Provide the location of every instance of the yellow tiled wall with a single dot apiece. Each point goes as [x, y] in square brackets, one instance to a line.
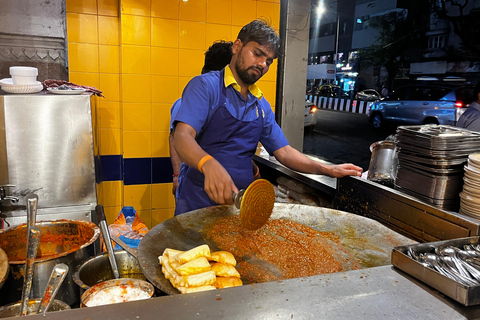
[141, 54]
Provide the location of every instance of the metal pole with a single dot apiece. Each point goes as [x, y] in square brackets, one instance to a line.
[335, 59]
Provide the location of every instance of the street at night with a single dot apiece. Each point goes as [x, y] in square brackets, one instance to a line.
[341, 137]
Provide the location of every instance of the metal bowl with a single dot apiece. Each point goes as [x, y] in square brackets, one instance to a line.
[13, 309]
[61, 241]
[125, 284]
[98, 269]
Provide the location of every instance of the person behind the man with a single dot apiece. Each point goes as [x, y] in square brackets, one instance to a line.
[470, 119]
[217, 57]
[223, 116]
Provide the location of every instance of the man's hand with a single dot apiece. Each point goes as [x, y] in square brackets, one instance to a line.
[345, 169]
[218, 183]
[175, 185]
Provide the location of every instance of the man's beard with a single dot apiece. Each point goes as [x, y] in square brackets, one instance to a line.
[245, 76]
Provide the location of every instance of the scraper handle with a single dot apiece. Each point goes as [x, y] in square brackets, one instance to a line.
[237, 198]
[106, 238]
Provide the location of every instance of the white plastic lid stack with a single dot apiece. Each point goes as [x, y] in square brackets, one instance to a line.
[24, 75]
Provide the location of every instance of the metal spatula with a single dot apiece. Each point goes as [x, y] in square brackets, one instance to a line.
[106, 238]
[255, 204]
[57, 276]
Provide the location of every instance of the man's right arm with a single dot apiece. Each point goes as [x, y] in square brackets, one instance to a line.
[218, 183]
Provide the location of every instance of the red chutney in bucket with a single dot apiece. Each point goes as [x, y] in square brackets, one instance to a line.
[58, 238]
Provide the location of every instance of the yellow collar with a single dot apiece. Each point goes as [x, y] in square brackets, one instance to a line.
[229, 79]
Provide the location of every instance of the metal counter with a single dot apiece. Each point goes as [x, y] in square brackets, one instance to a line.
[403, 213]
[321, 183]
[376, 293]
[400, 212]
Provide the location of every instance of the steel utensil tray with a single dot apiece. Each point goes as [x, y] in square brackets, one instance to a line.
[465, 295]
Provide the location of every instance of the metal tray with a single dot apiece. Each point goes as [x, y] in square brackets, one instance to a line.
[438, 132]
[437, 187]
[435, 170]
[468, 296]
[442, 162]
[462, 151]
[438, 140]
[447, 204]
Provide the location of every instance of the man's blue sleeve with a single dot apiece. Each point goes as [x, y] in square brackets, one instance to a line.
[174, 111]
[195, 104]
[272, 137]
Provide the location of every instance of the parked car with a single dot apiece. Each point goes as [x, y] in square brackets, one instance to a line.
[433, 103]
[368, 95]
[330, 90]
[310, 113]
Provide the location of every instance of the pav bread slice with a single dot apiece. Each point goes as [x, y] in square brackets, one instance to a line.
[227, 282]
[198, 265]
[200, 279]
[176, 279]
[224, 257]
[225, 270]
[171, 253]
[192, 254]
[195, 289]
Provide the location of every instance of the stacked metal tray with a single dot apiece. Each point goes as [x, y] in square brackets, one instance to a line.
[431, 160]
[467, 295]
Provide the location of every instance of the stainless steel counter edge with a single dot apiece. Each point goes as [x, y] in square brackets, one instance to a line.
[375, 293]
[320, 182]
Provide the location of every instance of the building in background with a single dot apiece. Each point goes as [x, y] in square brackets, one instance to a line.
[442, 44]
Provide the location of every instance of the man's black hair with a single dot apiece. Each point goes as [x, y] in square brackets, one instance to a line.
[217, 56]
[259, 31]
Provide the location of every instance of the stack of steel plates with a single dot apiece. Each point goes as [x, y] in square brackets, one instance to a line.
[470, 196]
[431, 160]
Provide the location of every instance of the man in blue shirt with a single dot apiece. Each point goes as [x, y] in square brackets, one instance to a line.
[223, 116]
[470, 119]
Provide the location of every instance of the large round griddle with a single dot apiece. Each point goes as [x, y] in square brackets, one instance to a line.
[366, 239]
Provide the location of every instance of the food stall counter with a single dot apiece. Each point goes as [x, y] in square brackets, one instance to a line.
[376, 293]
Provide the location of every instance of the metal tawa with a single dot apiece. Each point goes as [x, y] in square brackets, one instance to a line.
[255, 204]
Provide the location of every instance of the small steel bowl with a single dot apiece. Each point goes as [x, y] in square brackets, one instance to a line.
[13, 309]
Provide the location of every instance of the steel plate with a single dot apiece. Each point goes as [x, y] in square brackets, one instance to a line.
[366, 239]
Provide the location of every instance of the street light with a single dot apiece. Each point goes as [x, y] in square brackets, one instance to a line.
[320, 9]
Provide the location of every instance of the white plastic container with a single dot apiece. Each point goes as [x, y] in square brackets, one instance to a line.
[24, 75]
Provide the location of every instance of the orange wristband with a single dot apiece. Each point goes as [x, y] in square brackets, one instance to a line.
[257, 174]
[202, 162]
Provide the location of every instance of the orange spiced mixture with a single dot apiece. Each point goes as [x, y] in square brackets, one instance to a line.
[281, 249]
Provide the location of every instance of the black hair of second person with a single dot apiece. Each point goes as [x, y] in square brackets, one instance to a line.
[476, 91]
[217, 56]
[259, 31]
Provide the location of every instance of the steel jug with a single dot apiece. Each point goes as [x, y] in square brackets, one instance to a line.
[383, 162]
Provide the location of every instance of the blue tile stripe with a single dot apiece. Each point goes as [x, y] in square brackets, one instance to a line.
[137, 171]
[134, 170]
[111, 168]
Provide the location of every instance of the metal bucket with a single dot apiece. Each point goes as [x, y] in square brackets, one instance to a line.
[98, 269]
[125, 284]
[13, 309]
[62, 241]
[383, 163]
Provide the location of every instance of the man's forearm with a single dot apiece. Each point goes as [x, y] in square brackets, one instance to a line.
[174, 158]
[295, 160]
[188, 149]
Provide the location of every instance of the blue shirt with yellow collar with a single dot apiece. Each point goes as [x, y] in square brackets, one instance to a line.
[201, 97]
